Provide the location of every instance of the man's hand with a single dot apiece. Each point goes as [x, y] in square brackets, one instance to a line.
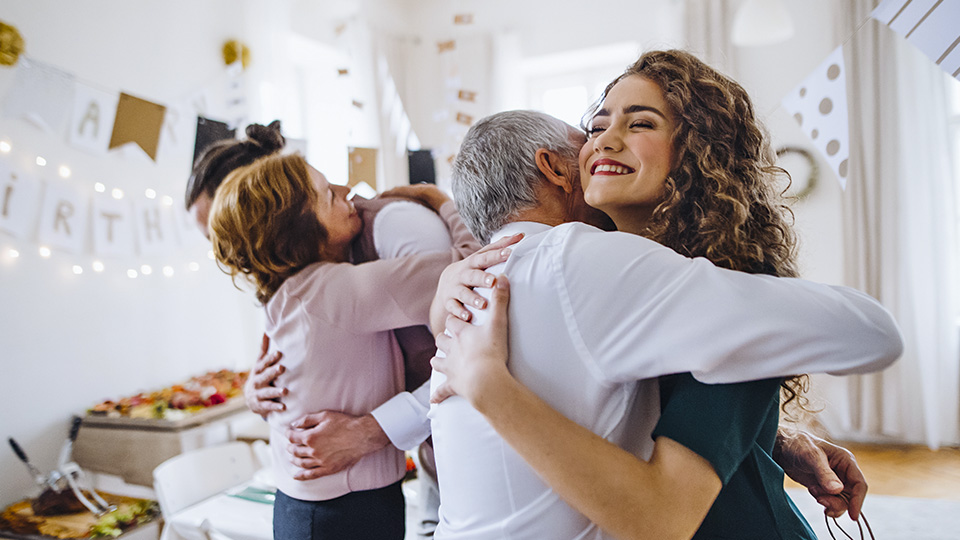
[261, 396]
[328, 442]
[826, 470]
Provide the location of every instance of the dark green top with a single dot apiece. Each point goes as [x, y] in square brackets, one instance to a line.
[734, 427]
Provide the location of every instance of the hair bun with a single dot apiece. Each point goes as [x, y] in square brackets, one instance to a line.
[268, 137]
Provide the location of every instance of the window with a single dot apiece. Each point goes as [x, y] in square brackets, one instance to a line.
[566, 84]
[953, 89]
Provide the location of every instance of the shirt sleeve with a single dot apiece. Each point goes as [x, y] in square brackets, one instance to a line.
[404, 417]
[377, 295]
[406, 228]
[637, 310]
[721, 422]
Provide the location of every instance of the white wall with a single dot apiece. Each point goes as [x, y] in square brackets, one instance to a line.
[68, 341]
[768, 73]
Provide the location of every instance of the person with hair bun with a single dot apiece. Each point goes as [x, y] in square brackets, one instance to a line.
[278, 224]
[418, 220]
[223, 157]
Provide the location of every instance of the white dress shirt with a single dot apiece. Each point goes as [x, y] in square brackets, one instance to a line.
[406, 228]
[593, 314]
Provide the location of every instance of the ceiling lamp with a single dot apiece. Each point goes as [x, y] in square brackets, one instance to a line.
[761, 22]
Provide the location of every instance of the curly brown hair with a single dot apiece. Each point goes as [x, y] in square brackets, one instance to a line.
[263, 222]
[721, 199]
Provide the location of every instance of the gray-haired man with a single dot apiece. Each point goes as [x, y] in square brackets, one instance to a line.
[595, 315]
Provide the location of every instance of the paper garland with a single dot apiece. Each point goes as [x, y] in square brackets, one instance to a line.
[932, 25]
[40, 93]
[819, 105]
[138, 121]
[98, 121]
[208, 132]
[91, 123]
[65, 218]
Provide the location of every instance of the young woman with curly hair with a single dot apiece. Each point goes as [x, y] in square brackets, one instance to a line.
[280, 225]
[720, 199]
[674, 153]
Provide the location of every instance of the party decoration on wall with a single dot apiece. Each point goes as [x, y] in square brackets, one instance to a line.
[19, 201]
[464, 119]
[931, 25]
[819, 105]
[467, 95]
[154, 227]
[802, 167]
[363, 166]
[444, 46]
[113, 227]
[40, 93]
[233, 51]
[208, 132]
[343, 72]
[91, 123]
[63, 218]
[357, 104]
[138, 121]
[105, 222]
[463, 18]
[11, 44]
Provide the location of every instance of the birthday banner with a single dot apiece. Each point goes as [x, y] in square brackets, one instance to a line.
[63, 216]
[98, 121]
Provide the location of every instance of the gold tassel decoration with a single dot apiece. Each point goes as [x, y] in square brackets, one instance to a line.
[234, 49]
[11, 44]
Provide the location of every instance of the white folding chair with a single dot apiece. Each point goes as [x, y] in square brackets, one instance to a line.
[193, 476]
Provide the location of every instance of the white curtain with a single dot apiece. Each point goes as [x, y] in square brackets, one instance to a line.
[900, 245]
[707, 25]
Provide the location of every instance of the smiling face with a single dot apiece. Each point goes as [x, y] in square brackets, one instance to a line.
[337, 215]
[629, 153]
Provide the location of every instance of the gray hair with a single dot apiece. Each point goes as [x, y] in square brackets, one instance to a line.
[495, 175]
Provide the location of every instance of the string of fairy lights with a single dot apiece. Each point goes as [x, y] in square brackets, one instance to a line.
[96, 264]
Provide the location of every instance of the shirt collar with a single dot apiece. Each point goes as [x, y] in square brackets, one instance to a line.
[528, 228]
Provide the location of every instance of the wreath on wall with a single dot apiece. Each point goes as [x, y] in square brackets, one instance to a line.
[802, 167]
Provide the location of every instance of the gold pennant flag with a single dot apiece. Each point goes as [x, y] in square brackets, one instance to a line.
[363, 166]
[451, 158]
[343, 71]
[464, 119]
[443, 46]
[357, 104]
[138, 121]
[467, 95]
[463, 18]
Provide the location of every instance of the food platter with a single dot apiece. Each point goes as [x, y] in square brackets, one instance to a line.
[200, 399]
[188, 420]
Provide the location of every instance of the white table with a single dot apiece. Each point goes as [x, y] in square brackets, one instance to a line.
[232, 516]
